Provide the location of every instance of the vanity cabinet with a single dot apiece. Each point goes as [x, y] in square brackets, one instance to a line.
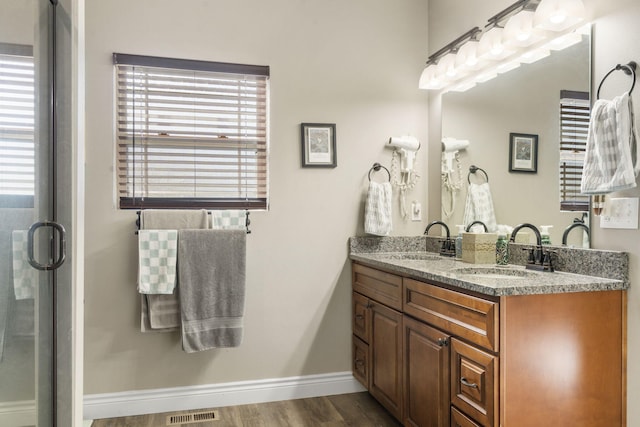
[377, 335]
[436, 356]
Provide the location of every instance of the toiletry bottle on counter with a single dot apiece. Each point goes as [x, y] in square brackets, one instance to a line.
[544, 234]
[459, 241]
[502, 247]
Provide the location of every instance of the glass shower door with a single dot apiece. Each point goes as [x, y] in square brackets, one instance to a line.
[34, 274]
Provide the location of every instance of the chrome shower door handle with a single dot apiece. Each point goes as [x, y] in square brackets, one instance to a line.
[62, 244]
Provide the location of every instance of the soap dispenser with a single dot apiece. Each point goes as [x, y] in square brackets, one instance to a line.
[459, 241]
[502, 247]
[544, 234]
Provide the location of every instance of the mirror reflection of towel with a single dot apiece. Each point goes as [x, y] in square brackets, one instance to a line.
[479, 206]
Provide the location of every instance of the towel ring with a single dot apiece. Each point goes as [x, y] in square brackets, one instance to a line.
[376, 167]
[629, 69]
[473, 169]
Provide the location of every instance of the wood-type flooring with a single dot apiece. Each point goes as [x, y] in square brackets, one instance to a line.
[352, 410]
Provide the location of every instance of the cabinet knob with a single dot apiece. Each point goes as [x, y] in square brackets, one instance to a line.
[443, 342]
[359, 362]
[359, 316]
[464, 382]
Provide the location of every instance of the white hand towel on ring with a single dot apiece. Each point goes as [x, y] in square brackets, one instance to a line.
[377, 210]
[479, 206]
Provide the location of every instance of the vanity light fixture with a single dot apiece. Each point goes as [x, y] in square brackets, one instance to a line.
[442, 68]
[524, 32]
[559, 15]
[520, 32]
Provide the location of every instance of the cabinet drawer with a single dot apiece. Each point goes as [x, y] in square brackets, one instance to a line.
[474, 319]
[383, 287]
[474, 382]
[361, 321]
[458, 419]
[360, 354]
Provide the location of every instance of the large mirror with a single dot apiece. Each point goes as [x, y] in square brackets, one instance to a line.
[523, 101]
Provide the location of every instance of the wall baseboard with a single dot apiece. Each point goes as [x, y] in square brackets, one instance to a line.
[20, 413]
[110, 405]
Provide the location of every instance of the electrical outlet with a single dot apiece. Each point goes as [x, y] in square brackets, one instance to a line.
[620, 213]
[416, 211]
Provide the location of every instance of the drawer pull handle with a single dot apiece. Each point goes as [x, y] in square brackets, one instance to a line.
[464, 382]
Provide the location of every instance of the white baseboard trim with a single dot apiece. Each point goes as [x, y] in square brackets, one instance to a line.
[109, 405]
[20, 413]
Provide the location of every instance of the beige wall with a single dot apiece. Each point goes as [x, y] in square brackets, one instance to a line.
[352, 63]
[616, 40]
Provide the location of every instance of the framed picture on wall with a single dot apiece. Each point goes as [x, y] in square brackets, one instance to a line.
[523, 152]
[318, 145]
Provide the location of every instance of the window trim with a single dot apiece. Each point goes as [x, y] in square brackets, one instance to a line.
[128, 202]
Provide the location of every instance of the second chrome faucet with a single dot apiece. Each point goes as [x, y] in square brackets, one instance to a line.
[539, 259]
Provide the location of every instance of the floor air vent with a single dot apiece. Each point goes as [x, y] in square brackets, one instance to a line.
[192, 418]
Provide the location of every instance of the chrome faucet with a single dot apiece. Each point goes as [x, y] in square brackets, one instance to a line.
[527, 225]
[577, 223]
[486, 230]
[538, 258]
[448, 246]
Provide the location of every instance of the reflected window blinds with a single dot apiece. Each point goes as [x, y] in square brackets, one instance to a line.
[191, 133]
[17, 112]
[574, 127]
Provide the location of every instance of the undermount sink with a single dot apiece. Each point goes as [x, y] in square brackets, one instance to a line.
[495, 272]
[413, 256]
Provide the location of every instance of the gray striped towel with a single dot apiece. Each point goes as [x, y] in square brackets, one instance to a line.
[610, 162]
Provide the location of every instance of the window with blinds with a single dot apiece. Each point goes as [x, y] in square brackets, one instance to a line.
[17, 111]
[574, 127]
[191, 134]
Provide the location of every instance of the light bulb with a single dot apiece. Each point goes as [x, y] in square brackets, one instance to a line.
[558, 15]
[558, 18]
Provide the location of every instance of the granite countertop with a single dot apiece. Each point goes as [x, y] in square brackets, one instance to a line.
[486, 279]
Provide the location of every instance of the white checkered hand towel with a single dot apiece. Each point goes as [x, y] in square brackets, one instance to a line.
[610, 162]
[229, 220]
[377, 210]
[25, 277]
[157, 256]
[479, 206]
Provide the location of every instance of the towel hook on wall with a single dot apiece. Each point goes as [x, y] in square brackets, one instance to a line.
[376, 167]
[629, 69]
[473, 169]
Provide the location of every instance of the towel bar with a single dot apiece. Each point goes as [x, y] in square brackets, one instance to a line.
[247, 221]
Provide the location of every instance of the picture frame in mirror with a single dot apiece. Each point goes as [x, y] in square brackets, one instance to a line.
[523, 152]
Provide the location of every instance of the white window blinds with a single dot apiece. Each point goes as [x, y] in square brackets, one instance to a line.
[191, 133]
[574, 127]
[16, 125]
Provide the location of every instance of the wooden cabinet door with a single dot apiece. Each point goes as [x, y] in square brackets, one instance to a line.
[426, 375]
[360, 323]
[386, 358]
